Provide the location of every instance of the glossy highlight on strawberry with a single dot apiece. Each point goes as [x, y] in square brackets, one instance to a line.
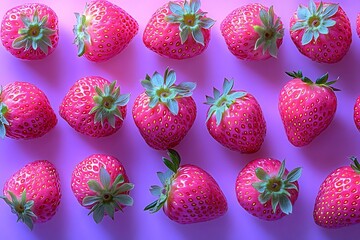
[25, 111]
[30, 31]
[33, 192]
[188, 193]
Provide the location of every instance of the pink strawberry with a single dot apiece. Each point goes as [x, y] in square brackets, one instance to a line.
[165, 112]
[94, 107]
[189, 194]
[100, 183]
[321, 31]
[337, 203]
[30, 31]
[306, 108]
[253, 32]
[25, 111]
[178, 30]
[266, 189]
[33, 192]
[235, 119]
[358, 24]
[357, 113]
[103, 30]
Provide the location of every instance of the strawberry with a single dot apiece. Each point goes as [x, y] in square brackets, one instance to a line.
[337, 203]
[266, 189]
[253, 32]
[30, 31]
[188, 195]
[357, 113]
[100, 183]
[93, 106]
[165, 112]
[321, 31]
[25, 111]
[103, 30]
[235, 119]
[306, 108]
[33, 193]
[358, 24]
[178, 30]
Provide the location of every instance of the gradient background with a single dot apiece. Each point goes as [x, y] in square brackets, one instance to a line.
[65, 148]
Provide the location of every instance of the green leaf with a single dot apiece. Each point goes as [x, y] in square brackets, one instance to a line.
[307, 37]
[195, 5]
[264, 197]
[94, 186]
[198, 35]
[274, 201]
[260, 186]
[173, 106]
[294, 175]
[261, 174]
[175, 8]
[156, 190]
[285, 205]
[109, 210]
[124, 199]
[98, 214]
[184, 34]
[175, 158]
[90, 200]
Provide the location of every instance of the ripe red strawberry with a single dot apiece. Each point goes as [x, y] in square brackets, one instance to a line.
[189, 194]
[94, 107]
[33, 192]
[235, 119]
[266, 189]
[306, 108]
[321, 31]
[103, 30]
[178, 30]
[357, 113]
[25, 111]
[30, 31]
[165, 112]
[253, 32]
[337, 203]
[100, 183]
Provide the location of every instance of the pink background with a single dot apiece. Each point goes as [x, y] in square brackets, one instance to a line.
[65, 148]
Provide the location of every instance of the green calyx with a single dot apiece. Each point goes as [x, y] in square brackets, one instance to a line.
[269, 32]
[107, 102]
[108, 197]
[165, 178]
[321, 81]
[163, 90]
[22, 208]
[190, 20]
[314, 21]
[81, 33]
[35, 34]
[221, 102]
[275, 188]
[355, 164]
[3, 121]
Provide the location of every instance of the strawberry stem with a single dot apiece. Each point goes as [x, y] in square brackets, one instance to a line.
[321, 81]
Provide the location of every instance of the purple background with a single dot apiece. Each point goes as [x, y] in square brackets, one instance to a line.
[65, 148]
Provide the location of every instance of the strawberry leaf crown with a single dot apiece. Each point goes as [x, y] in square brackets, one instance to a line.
[107, 102]
[3, 121]
[269, 32]
[191, 20]
[275, 188]
[221, 102]
[314, 21]
[81, 33]
[321, 81]
[35, 34]
[355, 164]
[108, 197]
[163, 90]
[165, 178]
[22, 208]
